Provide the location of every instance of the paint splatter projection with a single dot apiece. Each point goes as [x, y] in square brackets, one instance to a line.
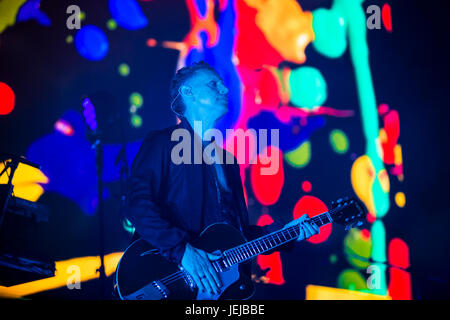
[313, 206]
[272, 262]
[7, 99]
[259, 47]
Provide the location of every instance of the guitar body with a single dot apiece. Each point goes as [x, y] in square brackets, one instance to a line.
[143, 274]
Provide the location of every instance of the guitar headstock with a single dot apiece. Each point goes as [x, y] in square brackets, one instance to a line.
[348, 212]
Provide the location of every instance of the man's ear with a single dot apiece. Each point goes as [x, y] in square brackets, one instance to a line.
[185, 90]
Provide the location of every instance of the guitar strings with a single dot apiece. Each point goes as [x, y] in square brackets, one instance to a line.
[180, 274]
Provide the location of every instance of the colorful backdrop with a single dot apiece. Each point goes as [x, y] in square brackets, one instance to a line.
[350, 84]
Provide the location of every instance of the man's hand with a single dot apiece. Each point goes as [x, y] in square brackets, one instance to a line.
[197, 263]
[307, 227]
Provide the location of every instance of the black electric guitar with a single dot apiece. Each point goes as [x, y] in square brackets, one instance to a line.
[143, 274]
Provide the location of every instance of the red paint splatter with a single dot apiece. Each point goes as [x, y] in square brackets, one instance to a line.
[392, 129]
[7, 99]
[383, 109]
[365, 234]
[252, 48]
[398, 253]
[313, 206]
[271, 261]
[267, 188]
[399, 284]
[306, 186]
[400, 279]
[387, 17]
[269, 96]
[371, 217]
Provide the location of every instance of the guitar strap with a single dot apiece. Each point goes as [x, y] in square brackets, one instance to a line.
[225, 200]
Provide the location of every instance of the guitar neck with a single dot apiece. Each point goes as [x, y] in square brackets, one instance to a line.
[270, 241]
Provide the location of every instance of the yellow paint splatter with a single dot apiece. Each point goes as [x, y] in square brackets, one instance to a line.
[26, 182]
[400, 199]
[285, 25]
[88, 267]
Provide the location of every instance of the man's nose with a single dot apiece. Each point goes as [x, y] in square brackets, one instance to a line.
[223, 89]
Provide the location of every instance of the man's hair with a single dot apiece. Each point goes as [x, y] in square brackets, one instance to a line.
[180, 77]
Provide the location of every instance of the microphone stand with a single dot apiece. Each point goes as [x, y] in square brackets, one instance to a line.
[98, 147]
[121, 160]
[12, 163]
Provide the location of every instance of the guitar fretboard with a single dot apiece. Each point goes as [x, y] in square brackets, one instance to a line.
[270, 241]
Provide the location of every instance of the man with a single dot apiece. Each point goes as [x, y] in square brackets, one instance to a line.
[170, 204]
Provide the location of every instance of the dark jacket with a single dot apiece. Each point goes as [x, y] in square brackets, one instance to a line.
[167, 202]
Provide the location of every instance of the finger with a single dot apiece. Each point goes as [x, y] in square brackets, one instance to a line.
[206, 282]
[212, 256]
[210, 273]
[311, 228]
[198, 281]
[307, 230]
[304, 217]
[302, 233]
[308, 224]
[214, 272]
[204, 272]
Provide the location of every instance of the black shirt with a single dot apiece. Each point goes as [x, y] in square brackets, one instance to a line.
[170, 204]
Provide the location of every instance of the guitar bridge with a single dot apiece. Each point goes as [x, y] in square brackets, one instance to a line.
[187, 278]
[153, 291]
[161, 288]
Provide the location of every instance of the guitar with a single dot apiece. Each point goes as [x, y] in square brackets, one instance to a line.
[143, 274]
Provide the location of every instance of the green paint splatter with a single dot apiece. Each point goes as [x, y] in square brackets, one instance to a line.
[111, 24]
[339, 141]
[352, 280]
[124, 69]
[299, 157]
[136, 120]
[136, 99]
[333, 259]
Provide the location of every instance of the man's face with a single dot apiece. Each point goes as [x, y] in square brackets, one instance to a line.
[209, 94]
